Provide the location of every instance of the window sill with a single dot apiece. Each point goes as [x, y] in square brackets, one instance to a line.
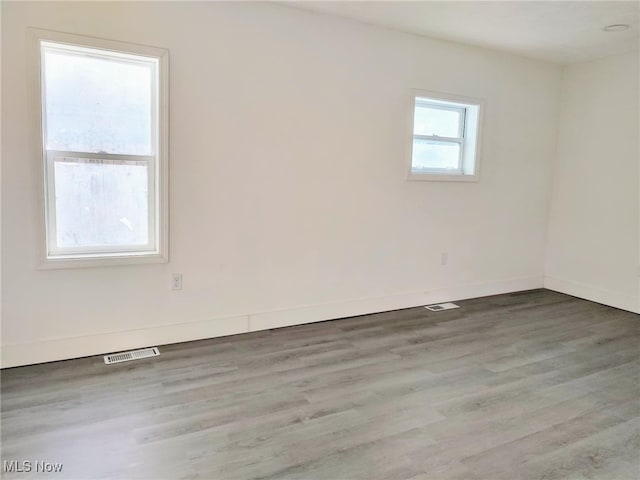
[65, 262]
[437, 177]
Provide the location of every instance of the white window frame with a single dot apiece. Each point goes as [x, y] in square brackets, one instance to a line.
[157, 250]
[469, 136]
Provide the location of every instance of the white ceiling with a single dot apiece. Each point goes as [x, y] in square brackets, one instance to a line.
[562, 32]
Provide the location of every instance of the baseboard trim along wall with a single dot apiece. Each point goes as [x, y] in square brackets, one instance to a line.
[87, 345]
[73, 347]
[362, 306]
[594, 294]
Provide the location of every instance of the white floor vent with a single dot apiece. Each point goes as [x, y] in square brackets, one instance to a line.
[438, 307]
[132, 355]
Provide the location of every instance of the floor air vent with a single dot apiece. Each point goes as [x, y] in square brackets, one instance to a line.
[441, 306]
[132, 355]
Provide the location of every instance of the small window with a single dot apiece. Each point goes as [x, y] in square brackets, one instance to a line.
[445, 137]
[103, 119]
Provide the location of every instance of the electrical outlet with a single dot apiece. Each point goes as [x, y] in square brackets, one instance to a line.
[176, 281]
[444, 258]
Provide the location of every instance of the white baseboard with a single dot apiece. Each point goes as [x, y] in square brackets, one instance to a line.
[362, 306]
[74, 347]
[595, 294]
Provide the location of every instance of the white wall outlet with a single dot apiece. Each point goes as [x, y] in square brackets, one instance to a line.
[176, 281]
[444, 258]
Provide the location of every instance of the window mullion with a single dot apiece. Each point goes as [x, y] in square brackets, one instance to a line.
[436, 138]
[117, 157]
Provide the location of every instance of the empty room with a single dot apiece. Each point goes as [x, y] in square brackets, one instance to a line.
[320, 240]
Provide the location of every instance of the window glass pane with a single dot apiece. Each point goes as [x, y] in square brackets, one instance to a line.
[101, 203]
[436, 121]
[97, 104]
[428, 154]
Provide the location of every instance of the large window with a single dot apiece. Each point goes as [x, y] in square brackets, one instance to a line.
[445, 137]
[103, 118]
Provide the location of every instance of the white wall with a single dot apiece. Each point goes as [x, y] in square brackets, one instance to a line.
[594, 246]
[289, 198]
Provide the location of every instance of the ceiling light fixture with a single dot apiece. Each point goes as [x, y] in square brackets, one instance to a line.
[617, 27]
